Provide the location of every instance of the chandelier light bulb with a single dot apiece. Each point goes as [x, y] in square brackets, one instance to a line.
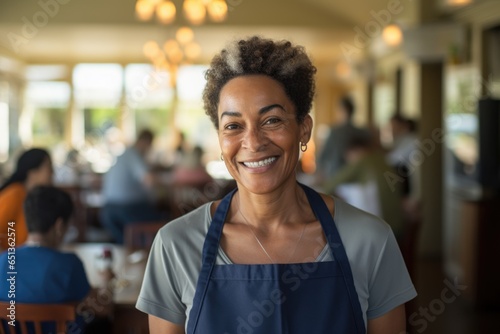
[217, 10]
[173, 51]
[144, 10]
[194, 11]
[151, 49]
[192, 50]
[170, 45]
[165, 12]
[176, 56]
[184, 35]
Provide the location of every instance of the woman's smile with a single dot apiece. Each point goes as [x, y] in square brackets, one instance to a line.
[261, 164]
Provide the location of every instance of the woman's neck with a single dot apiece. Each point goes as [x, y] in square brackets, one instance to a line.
[29, 184]
[268, 211]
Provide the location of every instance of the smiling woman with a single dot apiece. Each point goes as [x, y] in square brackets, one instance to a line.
[273, 256]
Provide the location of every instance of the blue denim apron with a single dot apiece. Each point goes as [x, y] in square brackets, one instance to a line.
[300, 298]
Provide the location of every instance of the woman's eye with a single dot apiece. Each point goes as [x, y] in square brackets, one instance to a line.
[231, 126]
[273, 120]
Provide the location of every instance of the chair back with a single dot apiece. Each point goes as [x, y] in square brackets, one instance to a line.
[140, 235]
[61, 314]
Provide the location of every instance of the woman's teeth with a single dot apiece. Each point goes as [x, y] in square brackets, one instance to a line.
[261, 163]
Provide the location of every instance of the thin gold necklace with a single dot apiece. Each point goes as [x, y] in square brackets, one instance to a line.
[262, 246]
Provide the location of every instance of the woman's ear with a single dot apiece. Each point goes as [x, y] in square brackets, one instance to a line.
[306, 129]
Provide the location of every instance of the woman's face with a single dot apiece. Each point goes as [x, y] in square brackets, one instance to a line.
[42, 176]
[259, 134]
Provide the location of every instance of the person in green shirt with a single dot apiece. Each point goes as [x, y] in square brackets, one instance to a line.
[364, 182]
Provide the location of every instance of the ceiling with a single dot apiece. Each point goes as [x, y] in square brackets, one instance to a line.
[93, 30]
[106, 30]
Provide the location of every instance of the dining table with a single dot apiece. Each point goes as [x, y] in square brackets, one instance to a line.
[129, 267]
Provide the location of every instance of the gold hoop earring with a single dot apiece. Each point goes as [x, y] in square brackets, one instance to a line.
[303, 147]
[221, 157]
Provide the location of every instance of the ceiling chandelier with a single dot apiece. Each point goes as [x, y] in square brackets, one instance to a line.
[195, 11]
[174, 52]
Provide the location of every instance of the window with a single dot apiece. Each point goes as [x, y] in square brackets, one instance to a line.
[98, 85]
[190, 117]
[46, 106]
[149, 97]
[98, 90]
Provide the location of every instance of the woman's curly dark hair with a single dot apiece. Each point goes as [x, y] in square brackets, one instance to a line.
[280, 60]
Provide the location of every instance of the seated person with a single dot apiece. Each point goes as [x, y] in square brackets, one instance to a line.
[44, 274]
[128, 189]
[191, 171]
[33, 168]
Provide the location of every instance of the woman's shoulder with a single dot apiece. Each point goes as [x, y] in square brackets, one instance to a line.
[353, 221]
[188, 226]
[14, 190]
[345, 212]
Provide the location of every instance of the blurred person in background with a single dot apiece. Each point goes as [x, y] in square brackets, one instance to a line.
[404, 144]
[408, 175]
[180, 149]
[49, 276]
[404, 137]
[33, 168]
[363, 183]
[69, 172]
[127, 189]
[332, 155]
[191, 170]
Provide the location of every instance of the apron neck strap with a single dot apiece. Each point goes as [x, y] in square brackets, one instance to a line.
[324, 216]
[211, 246]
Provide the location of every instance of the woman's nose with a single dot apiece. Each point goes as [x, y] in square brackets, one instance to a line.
[254, 139]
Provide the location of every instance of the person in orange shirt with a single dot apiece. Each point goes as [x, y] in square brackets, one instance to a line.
[34, 168]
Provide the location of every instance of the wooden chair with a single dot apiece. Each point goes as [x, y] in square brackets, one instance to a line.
[141, 235]
[61, 314]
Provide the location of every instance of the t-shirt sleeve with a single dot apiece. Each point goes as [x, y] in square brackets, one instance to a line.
[390, 284]
[161, 292]
[78, 287]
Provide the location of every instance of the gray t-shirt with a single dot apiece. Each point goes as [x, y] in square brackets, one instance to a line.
[380, 276]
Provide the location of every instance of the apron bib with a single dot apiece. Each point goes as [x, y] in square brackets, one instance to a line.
[301, 298]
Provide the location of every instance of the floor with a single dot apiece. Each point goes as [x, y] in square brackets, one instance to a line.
[440, 308]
